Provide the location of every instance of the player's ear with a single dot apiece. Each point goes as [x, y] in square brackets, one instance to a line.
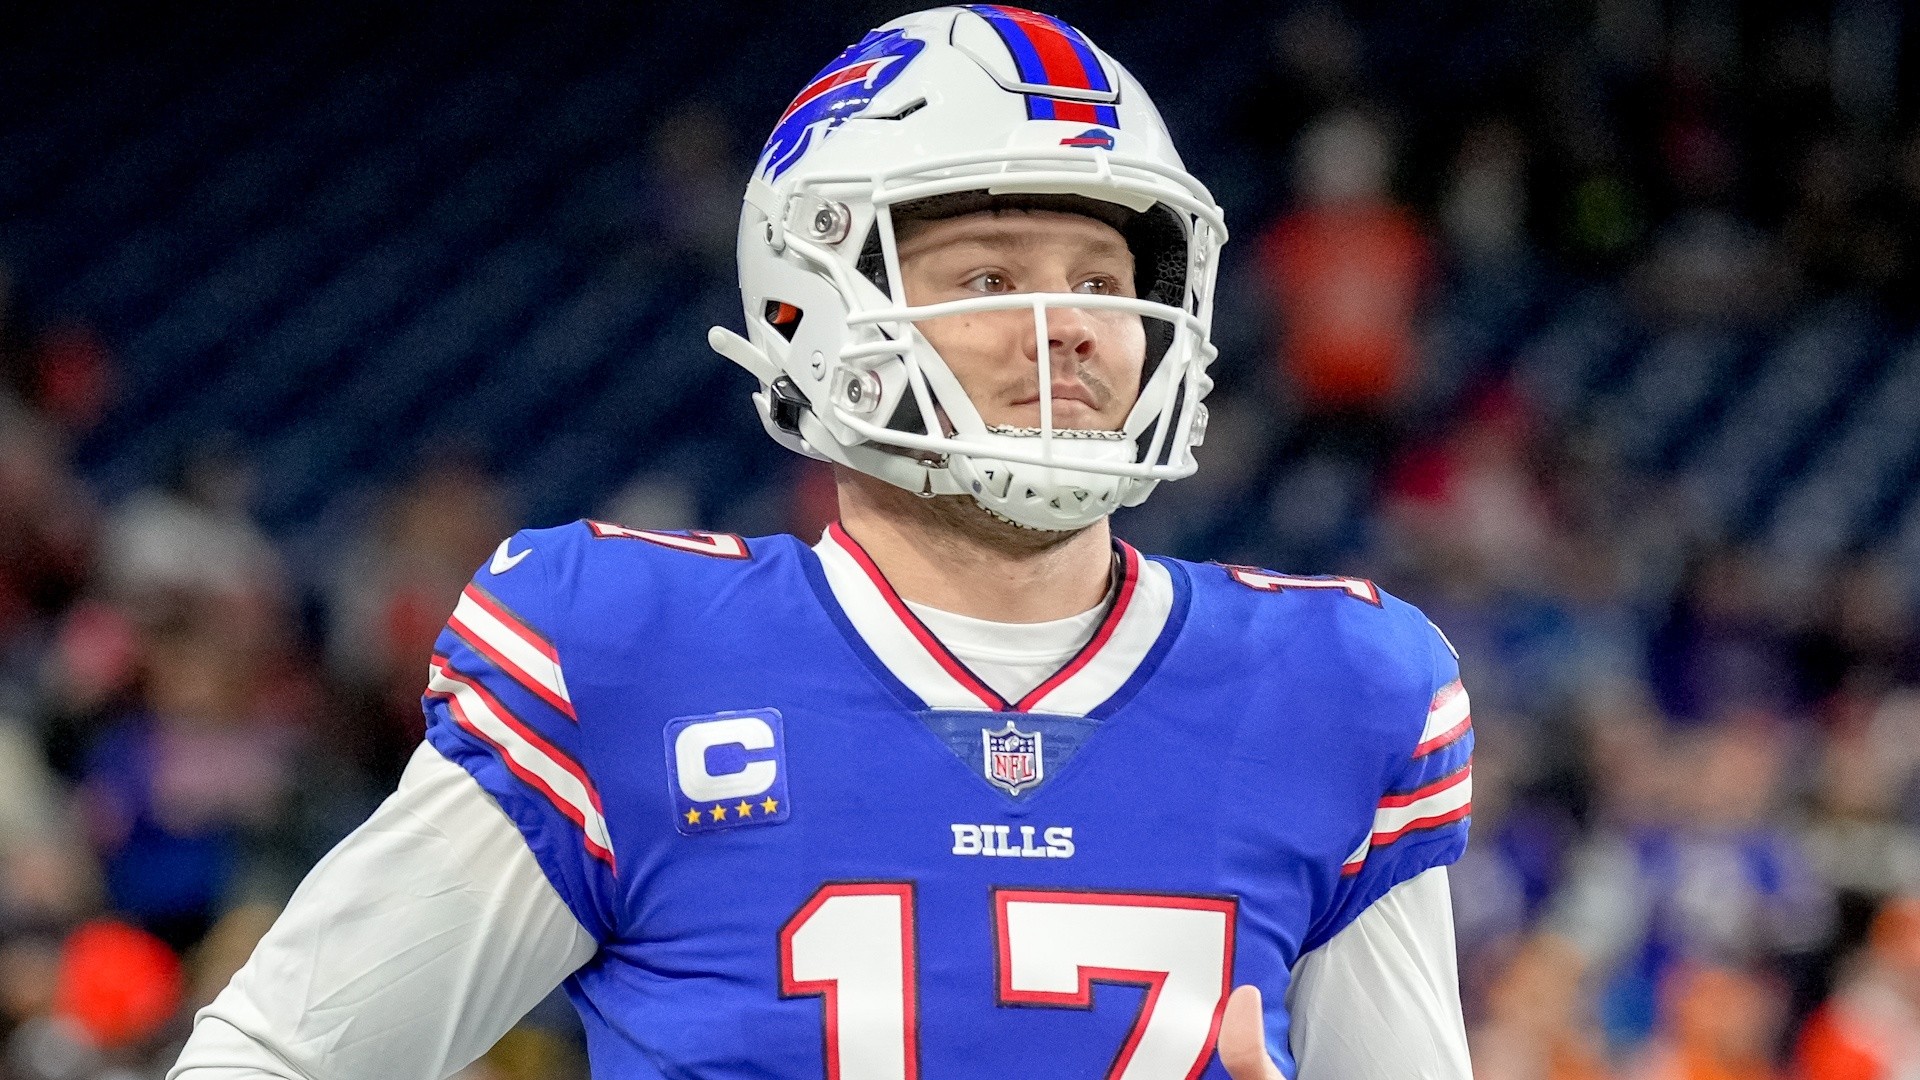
[1243, 1038]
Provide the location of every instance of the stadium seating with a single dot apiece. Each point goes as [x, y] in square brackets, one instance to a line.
[342, 239]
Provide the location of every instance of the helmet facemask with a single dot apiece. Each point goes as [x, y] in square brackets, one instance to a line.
[894, 392]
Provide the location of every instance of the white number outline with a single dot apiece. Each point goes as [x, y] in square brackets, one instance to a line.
[1267, 581]
[1004, 994]
[829, 989]
[1153, 980]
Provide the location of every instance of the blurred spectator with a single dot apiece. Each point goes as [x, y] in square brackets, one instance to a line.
[194, 535]
[1537, 1025]
[1473, 533]
[1312, 64]
[116, 989]
[1864, 640]
[654, 501]
[1723, 648]
[73, 377]
[1716, 1023]
[1514, 865]
[1599, 648]
[65, 374]
[1349, 269]
[687, 208]
[1867, 777]
[46, 878]
[393, 591]
[1469, 505]
[175, 794]
[1870, 1029]
[1693, 868]
[46, 532]
[1839, 230]
[1484, 207]
[1707, 268]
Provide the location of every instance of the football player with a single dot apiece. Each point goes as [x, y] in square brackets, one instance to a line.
[969, 787]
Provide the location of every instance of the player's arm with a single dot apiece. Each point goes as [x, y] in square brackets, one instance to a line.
[406, 953]
[1381, 1001]
[1376, 992]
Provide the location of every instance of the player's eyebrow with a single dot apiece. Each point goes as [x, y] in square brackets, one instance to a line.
[1007, 236]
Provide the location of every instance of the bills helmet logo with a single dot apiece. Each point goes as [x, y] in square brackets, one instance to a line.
[836, 95]
[1013, 758]
[1091, 139]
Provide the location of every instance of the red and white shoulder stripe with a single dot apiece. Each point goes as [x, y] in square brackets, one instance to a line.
[1449, 717]
[522, 653]
[533, 759]
[1443, 802]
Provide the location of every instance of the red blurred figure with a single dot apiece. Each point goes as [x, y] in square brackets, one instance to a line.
[117, 983]
[73, 377]
[1471, 504]
[1348, 269]
[115, 989]
[1870, 1028]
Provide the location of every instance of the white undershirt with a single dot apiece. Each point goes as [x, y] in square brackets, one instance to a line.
[1012, 658]
[415, 944]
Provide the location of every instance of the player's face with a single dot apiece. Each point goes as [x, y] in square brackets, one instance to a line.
[1096, 356]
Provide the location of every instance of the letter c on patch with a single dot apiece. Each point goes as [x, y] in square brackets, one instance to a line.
[748, 733]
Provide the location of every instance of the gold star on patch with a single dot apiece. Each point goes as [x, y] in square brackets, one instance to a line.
[719, 813]
[770, 805]
[693, 817]
[745, 809]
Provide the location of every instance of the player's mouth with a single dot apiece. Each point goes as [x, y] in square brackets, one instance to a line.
[1069, 398]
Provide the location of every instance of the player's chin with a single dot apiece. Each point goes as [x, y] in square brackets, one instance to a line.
[969, 517]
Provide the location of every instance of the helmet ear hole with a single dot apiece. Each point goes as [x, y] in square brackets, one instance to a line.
[872, 263]
[783, 317]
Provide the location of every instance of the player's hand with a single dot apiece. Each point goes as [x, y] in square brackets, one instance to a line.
[1243, 1038]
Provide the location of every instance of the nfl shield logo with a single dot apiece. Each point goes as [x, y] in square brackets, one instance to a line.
[1012, 758]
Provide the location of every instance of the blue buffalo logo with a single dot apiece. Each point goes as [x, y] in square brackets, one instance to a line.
[837, 94]
[1092, 139]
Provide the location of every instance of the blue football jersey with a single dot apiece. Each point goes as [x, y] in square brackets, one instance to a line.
[813, 844]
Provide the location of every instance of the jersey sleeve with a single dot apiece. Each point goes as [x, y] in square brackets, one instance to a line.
[1381, 1001]
[497, 705]
[407, 952]
[1421, 819]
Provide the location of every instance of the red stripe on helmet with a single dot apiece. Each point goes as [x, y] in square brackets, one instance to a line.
[1058, 57]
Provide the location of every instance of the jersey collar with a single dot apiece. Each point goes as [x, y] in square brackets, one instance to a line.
[1136, 620]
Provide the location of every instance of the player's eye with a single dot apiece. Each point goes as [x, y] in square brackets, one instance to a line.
[1098, 285]
[990, 281]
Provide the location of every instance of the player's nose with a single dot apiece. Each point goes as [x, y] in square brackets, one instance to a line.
[1070, 334]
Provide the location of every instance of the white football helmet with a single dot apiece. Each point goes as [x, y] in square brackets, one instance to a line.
[936, 113]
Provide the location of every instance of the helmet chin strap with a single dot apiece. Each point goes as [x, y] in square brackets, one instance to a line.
[1053, 498]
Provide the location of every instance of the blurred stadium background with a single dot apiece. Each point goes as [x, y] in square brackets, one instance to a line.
[1588, 326]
